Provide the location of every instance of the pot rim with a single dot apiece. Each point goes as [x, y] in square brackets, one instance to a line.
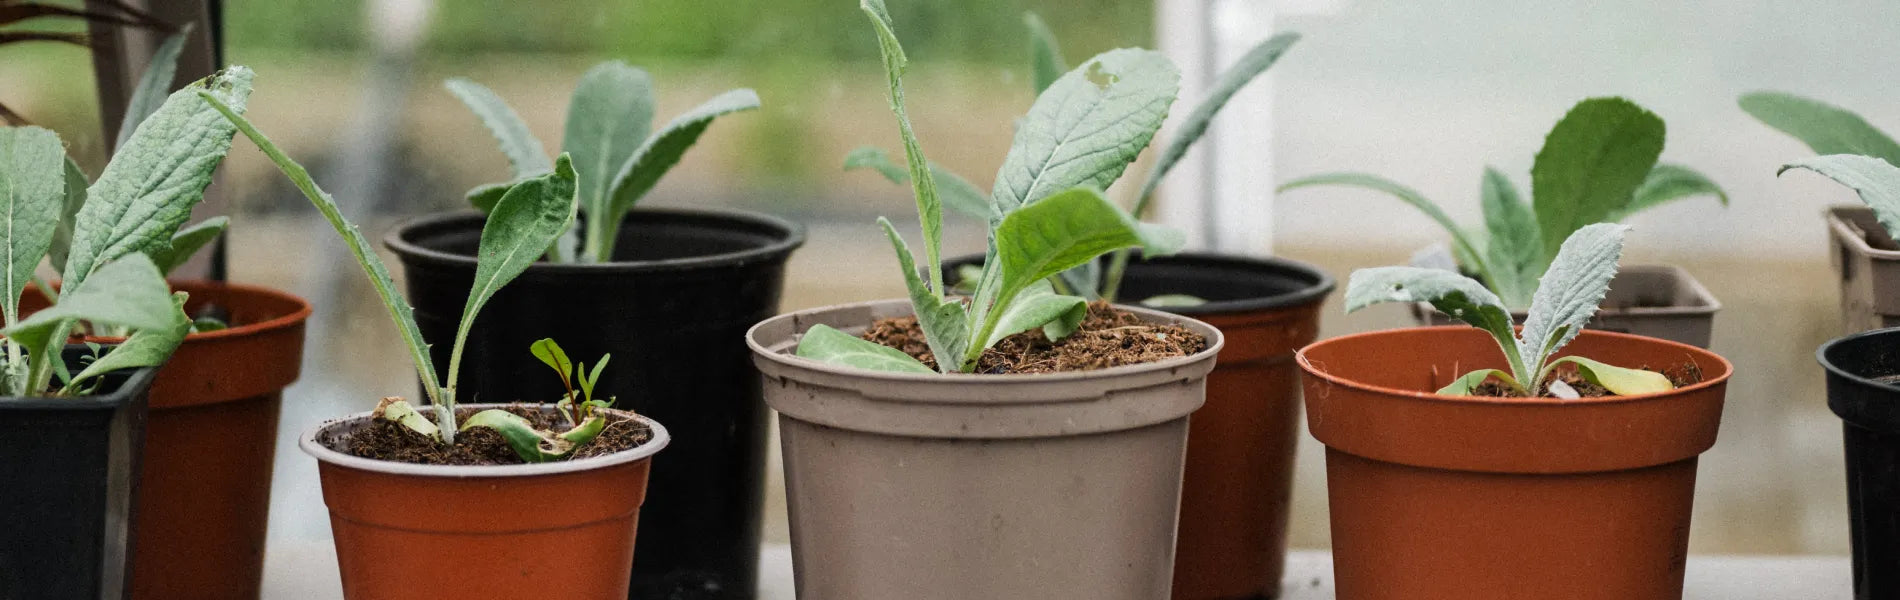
[1820, 355]
[792, 235]
[1321, 284]
[1728, 369]
[1843, 229]
[137, 382]
[1214, 343]
[308, 442]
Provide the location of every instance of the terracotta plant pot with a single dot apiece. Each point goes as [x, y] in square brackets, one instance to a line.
[1505, 498]
[672, 310]
[979, 486]
[1656, 301]
[210, 443]
[1868, 261]
[550, 530]
[1239, 478]
[69, 477]
[1862, 392]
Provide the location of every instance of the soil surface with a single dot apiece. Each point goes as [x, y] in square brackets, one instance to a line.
[1681, 375]
[384, 440]
[1109, 337]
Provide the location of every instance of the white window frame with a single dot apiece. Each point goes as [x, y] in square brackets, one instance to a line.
[1221, 194]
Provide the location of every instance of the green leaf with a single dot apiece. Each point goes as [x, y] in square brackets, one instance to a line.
[1462, 246]
[956, 192]
[187, 242]
[1877, 182]
[149, 188]
[1173, 301]
[528, 218]
[1620, 381]
[1591, 164]
[1667, 183]
[1459, 297]
[923, 184]
[402, 413]
[32, 192]
[1084, 280]
[1045, 55]
[1088, 126]
[532, 445]
[1512, 249]
[550, 354]
[525, 153]
[128, 293]
[945, 322]
[652, 160]
[1465, 384]
[1040, 306]
[75, 198]
[1570, 292]
[1230, 82]
[144, 348]
[592, 378]
[827, 345]
[608, 119]
[154, 84]
[483, 197]
[399, 311]
[1826, 128]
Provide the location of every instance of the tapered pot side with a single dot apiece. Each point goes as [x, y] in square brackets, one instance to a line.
[1868, 261]
[1239, 476]
[1659, 301]
[210, 441]
[69, 477]
[550, 530]
[672, 310]
[979, 486]
[1861, 390]
[1505, 498]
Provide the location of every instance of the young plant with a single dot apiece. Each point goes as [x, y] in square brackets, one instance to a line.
[1852, 151]
[527, 217]
[617, 163]
[108, 240]
[1565, 300]
[1598, 164]
[1047, 67]
[1048, 214]
[575, 407]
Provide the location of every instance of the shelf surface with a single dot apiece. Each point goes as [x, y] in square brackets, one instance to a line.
[307, 570]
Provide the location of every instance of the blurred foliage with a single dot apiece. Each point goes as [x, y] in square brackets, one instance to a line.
[987, 31]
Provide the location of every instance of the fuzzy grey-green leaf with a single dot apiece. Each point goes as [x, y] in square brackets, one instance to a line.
[1230, 82]
[945, 322]
[144, 348]
[149, 188]
[525, 153]
[530, 444]
[1088, 126]
[75, 198]
[1045, 55]
[153, 84]
[1876, 181]
[32, 194]
[1668, 183]
[128, 292]
[827, 345]
[1037, 306]
[187, 242]
[652, 160]
[608, 119]
[1570, 291]
[1462, 246]
[956, 192]
[1465, 384]
[1459, 297]
[519, 229]
[1513, 249]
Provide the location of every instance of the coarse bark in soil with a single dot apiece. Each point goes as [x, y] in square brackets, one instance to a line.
[1109, 337]
[384, 440]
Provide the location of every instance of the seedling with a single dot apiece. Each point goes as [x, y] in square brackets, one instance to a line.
[109, 240]
[1598, 164]
[1048, 212]
[527, 217]
[1110, 157]
[1568, 296]
[1853, 152]
[617, 163]
[576, 407]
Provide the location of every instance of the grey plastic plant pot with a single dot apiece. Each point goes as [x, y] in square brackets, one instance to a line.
[69, 473]
[1868, 261]
[953, 487]
[1659, 301]
[406, 531]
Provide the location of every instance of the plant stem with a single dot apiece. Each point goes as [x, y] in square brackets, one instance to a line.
[1112, 280]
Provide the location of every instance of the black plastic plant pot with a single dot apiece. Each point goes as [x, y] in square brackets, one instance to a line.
[1863, 388]
[69, 471]
[672, 309]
